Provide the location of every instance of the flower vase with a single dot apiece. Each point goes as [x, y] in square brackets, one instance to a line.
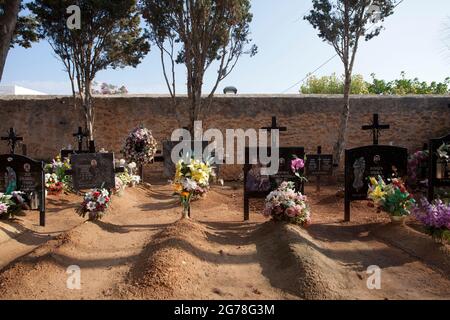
[397, 219]
[186, 211]
[120, 191]
[93, 215]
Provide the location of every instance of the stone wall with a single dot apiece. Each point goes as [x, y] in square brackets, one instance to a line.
[47, 123]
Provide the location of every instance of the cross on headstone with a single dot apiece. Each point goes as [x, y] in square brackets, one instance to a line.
[274, 126]
[80, 135]
[376, 127]
[12, 139]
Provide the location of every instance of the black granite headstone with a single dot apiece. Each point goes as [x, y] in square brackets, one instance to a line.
[93, 170]
[371, 161]
[20, 173]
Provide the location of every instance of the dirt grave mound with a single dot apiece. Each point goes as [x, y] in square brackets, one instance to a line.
[174, 265]
[166, 268]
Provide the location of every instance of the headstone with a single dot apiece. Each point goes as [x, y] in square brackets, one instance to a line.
[319, 165]
[259, 186]
[438, 169]
[19, 173]
[371, 161]
[93, 170]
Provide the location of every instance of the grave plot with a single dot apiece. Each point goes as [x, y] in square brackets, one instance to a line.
[373, 161]
[258, 186]
[22, 179]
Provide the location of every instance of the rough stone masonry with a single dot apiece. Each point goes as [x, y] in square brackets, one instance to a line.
[48, 122]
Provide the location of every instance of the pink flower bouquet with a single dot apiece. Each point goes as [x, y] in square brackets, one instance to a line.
[285, 204]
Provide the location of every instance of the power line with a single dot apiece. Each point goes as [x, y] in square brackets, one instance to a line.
[329, 60]
[300, 17]
[310, 74]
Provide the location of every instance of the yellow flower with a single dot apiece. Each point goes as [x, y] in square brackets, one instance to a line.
[177, 187]
[373, 181]
[378, 193]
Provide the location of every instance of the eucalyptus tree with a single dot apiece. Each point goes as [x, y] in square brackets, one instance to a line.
[202, 35]
[102, 34]
[343, 24]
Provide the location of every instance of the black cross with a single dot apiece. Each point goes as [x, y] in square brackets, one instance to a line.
[376, 127]
[12, 139]
[80, 135]
[275, 126]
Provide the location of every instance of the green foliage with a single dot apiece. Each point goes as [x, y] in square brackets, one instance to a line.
[334, 85]
[110, 37]
[403, 86]
[333, 17]
[110, 34]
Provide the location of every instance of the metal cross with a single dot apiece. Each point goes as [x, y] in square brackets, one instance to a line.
[274, 126]
[12, 139]
[80, 135]
[376, 127]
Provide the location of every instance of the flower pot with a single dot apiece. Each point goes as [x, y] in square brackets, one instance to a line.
[398, 219]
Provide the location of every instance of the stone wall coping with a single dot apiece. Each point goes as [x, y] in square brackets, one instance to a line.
[228, 96]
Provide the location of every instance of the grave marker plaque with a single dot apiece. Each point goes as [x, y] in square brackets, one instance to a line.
[20, 173]
[259, 186]
[438, 169]
[93, 170]
[371, 161]
[319, 164]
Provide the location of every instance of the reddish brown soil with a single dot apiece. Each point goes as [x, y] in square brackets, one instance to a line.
[141, 251]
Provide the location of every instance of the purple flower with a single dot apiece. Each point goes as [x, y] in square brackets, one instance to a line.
[433, 215]
[297, 164]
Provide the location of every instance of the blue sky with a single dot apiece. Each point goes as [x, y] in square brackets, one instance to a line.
[414, 41]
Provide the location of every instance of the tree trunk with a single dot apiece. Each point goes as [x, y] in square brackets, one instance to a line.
[343, 124]
[7, 27]
[89, 109]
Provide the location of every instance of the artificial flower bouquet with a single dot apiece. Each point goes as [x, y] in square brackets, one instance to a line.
[140, 146]
[192, 181]
[56, 178]
[119, 186]
[95, 204]
[11, 205]
[52, 184]
[436, 218]
[285, 204]
[391, 197]
[297, 165]
[128, 178]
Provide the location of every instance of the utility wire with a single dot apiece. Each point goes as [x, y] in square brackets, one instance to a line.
[329, 60]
